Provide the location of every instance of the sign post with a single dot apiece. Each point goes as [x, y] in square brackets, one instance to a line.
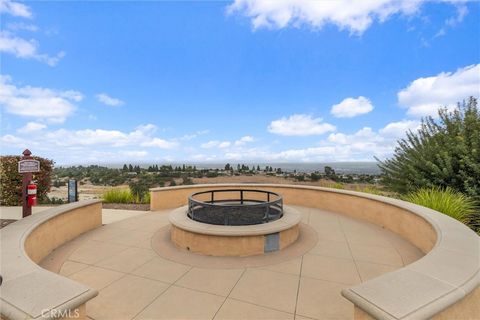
[72, 190]
[26, 167]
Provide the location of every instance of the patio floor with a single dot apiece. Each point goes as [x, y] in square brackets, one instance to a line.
[136, 283]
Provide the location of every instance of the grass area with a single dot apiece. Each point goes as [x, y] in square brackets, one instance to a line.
[448, 201]
[370, 189]
[116, 195]
[336, 185]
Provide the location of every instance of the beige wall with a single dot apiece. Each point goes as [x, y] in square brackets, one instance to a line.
[373, 209]
[62, 228]
[216, 245]
[227, 245]
[32, 239]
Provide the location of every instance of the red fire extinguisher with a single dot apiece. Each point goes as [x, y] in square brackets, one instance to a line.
[32, 194]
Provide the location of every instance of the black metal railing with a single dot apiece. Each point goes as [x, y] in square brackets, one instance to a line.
[235, 207]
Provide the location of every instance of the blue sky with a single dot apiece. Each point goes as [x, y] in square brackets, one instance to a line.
[296, 81]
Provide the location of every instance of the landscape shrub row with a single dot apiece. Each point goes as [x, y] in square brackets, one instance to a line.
[116, 195]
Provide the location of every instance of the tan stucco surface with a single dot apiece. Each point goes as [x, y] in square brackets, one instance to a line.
[219, 240]
[443, 278]
[137, 281]
[28, 291]
[217, 245]
[369, 249]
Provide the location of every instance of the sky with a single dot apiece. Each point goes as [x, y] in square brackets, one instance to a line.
[87, 82]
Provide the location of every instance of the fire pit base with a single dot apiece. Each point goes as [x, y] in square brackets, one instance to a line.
[217, 240]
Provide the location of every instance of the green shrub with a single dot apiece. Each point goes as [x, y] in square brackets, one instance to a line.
[336, 185]
[118, 196]
[368, 189]
[146, 198]
[125, 196]
[11, 180]
[444, 152]
[448, 201]
[138, 188]
[53, 200]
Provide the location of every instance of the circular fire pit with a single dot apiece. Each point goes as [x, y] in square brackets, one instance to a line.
[234, 222]
[235, 207]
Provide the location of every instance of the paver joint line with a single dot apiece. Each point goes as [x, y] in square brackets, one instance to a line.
[317, 222]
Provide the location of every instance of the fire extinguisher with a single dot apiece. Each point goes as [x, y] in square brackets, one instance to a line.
[31, 194]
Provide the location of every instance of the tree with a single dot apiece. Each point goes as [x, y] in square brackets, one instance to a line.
[329, 171]
[125, 168]
[258, 168]
[187, 181]
[315, 176]
[444, 152]
[139, 188]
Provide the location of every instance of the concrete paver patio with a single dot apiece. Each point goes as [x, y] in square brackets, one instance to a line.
[136, 283]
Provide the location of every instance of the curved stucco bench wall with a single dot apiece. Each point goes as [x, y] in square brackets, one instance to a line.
[29, 291]
[444, 284]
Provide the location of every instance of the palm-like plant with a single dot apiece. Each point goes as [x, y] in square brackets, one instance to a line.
[448, 201]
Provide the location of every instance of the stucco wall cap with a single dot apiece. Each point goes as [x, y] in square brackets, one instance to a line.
[28, 289]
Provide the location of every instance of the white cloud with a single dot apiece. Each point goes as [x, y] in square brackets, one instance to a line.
[159, 143]
[216, 144]
[452, 22]
[227, 144]
[224, 144]
[146, 129]
[89, 138]
[243, 140]
[32, 127]
[16, 9]
[109, 101]
[187, 137]
[351, 107]
[20, 47]
[398, 129]
[305, 155]
[16, 26]
[26, 49]
[354, 16]
[11, 140]
[462, 11]
[210, 144]
[424, 96]
[37, 102]
[300, 125]
[361, 145]
[134, 153]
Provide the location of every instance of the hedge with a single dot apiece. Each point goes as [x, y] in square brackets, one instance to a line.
[11, 180]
